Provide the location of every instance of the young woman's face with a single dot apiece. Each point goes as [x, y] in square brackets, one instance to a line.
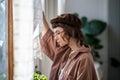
[60, 37]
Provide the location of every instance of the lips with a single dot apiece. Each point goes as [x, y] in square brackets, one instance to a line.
[58, 42]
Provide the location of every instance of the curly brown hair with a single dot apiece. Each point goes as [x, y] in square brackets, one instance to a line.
[71, 25]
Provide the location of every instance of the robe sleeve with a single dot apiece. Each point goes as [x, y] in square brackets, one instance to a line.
[48, 44]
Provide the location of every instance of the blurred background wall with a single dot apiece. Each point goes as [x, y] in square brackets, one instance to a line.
[93, 9]
[108, 11]
[114, 38]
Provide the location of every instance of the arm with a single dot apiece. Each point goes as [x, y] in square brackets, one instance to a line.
[48, 44]
[44, 24]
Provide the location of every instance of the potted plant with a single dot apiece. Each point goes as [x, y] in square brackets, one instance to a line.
[92, 29]
[38, 75]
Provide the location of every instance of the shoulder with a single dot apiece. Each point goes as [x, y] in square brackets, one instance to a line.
[87, 57]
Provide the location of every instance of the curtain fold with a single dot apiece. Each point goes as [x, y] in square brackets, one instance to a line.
[23, 39]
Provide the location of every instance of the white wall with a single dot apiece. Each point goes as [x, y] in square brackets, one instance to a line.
[93, 9]
[90, 8]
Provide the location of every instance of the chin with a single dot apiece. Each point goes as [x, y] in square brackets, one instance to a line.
[62, 45]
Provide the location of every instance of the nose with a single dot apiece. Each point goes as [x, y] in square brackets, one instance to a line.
[55, 37]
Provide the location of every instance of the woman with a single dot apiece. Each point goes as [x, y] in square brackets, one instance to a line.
[66, 47]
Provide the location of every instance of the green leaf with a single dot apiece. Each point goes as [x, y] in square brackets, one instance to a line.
[96, 54]
[91, 40]
[97, 46]
[94, 27]
[84, 20]
[38, 76]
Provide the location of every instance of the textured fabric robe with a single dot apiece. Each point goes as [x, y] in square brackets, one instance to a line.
[80, 64]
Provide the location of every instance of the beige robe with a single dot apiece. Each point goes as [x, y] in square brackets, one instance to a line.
[78, 66]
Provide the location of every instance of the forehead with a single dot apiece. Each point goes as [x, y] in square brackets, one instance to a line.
[57, 29]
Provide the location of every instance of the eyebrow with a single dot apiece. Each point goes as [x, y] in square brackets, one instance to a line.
[56, 31]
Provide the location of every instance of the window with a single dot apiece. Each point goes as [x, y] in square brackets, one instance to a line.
[17, 37]
[3, 41]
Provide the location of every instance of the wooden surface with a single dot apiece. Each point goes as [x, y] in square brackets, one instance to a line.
[10, 40]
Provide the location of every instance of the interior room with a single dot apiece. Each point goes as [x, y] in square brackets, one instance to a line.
[21, 56]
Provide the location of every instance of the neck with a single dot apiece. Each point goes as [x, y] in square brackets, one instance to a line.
[74, 45]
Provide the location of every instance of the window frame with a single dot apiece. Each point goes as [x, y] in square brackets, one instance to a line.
[10, 40]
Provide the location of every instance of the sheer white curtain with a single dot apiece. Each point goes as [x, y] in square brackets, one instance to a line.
[61, 6]
[38, 8]
[23, 39]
